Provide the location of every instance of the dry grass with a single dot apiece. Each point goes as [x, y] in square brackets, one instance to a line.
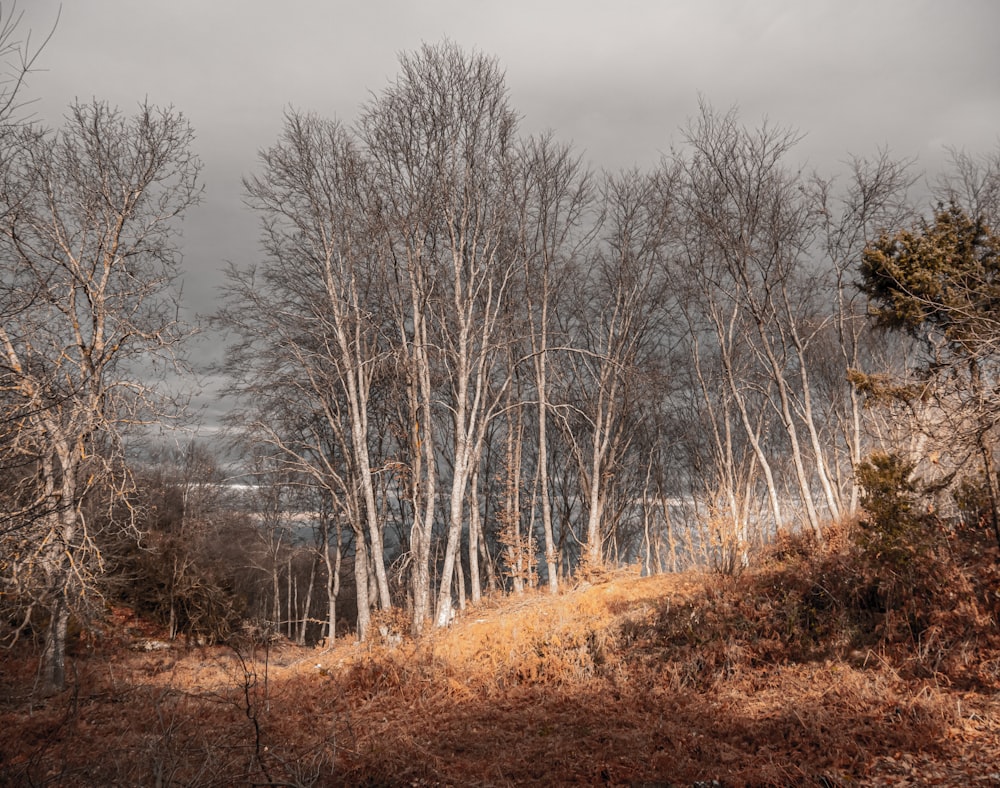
[813, 669]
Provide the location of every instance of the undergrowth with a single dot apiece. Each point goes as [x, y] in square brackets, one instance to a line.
[831, 664]
[930, 612]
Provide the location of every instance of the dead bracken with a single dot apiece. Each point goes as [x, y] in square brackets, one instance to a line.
[795, 672]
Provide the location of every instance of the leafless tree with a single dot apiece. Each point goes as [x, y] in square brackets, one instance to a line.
[620, 301]
[307, 318]
[554, 196]
[846, 217]
[88, 251]
[441, 145]
[752, 223]
[973, 182]
[17, 59]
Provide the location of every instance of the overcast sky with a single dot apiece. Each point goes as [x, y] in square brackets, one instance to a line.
[617, 79]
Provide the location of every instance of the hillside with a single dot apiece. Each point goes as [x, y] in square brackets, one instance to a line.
[794, 673]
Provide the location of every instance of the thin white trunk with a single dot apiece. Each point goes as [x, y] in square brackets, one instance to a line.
[723, 336]
[475, 535]
[787, 417]
[361, 583]
[541, 385]
[307, 604]
[332, 580]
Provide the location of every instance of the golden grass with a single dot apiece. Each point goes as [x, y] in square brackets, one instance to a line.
[772, 678]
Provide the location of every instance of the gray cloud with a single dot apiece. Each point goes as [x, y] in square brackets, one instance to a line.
[618, 80]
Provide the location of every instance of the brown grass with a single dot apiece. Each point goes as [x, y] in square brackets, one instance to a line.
[816, 668]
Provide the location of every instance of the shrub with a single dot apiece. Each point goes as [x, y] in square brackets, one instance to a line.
[895, 525]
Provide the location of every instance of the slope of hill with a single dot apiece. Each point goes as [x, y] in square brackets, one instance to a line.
[806, 670]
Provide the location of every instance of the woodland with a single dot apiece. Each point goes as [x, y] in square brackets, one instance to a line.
[534, 474]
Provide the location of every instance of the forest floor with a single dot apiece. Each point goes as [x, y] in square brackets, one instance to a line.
[802, 671]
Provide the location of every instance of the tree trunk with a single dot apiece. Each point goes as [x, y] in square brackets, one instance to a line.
[459, 581]
[290, 633]
[595, 512]
[361, 583]
[332, 580]
[303, 621]
[456, 505]
[475, 535]
[359, 424]
[424, 472]
[551, 566]
[485, 559]
[53, 667]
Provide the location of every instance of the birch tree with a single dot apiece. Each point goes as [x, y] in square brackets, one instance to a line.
[441, 142]
[846, 218]
[88, 232]
[307, 318]
[555, 193]
[17, 58]
[619, 305]
[751, 212]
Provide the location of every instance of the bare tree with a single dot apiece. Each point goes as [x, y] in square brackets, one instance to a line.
[973, 182]
[17, 59]
[87, 234]
[620, 302]
[307, 318]
[753, 224]
[846, 218]
[554, 195]
[441, 144]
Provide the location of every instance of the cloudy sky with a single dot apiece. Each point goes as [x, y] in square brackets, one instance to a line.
[616, 79]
